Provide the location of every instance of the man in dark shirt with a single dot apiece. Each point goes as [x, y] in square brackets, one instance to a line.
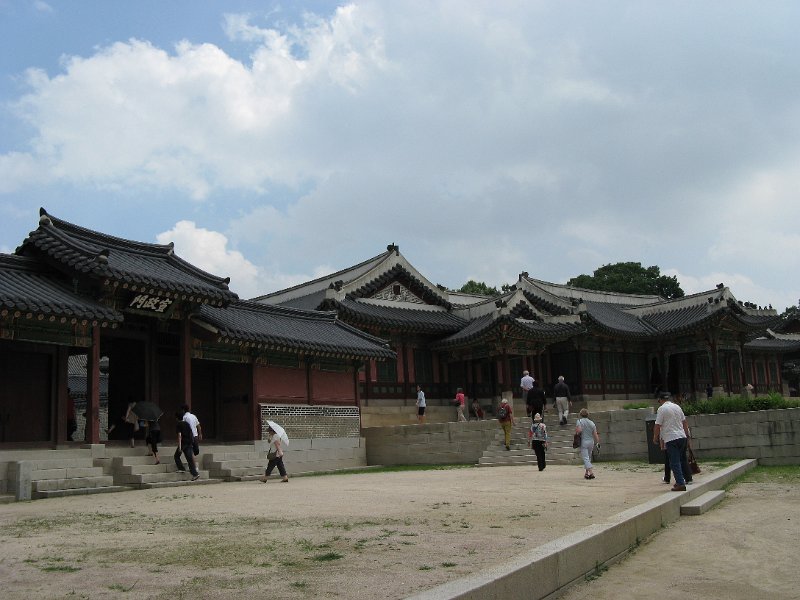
[536, 400]
[563, 401]
[185, 437]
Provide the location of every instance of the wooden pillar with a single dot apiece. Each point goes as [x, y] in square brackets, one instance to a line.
[255, 407]
[602, 372]
[404, 347]
[60, 395]
[309, 384]
[714, 359]
[185, 362]
[506, 387]
[625, 372]
[92, 435]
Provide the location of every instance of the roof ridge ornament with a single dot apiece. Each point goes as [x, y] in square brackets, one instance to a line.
[393, 248]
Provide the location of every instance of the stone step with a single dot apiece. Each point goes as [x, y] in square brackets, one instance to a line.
[137, 479]
[216, 465]
[61, 463]
[66, 473]
[703, 503]
[45, 485]
[79, 491]
[7, 499]
[162, 484]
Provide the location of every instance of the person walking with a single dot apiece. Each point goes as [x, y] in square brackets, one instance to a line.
[274, 457]
[184, 433]
[539, 440]
[589, 437]
[197, 430]
[506, 417]
[476, 410]
[526, 383]
[672, 429]
[153, 438]
[536, 400]
[420, 405]
[563, 402]
[460, 401]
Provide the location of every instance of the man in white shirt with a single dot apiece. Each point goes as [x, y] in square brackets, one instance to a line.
[671, 427]
[197, 430]
[526, 383]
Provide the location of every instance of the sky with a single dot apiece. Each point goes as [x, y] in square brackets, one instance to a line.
[276, 142]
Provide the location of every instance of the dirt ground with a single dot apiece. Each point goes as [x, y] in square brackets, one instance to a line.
[383, 535]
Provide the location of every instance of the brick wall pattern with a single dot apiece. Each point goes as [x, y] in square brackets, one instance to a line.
[306, 422]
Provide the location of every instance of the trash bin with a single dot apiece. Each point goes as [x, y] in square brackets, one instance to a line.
[655, 455]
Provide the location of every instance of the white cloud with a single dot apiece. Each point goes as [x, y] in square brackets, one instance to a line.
[484, 138]
[209, 251]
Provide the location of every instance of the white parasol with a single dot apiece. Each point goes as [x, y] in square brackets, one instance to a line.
[280, 432]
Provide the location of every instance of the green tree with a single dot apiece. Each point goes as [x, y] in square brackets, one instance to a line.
[479, 287]
[630, 278]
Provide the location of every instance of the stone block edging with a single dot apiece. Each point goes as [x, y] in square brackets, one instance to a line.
[550, 568]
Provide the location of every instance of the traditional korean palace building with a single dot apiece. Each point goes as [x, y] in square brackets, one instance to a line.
[608, 346]
[120, 321]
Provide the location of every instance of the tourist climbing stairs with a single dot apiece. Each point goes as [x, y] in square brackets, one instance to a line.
[560, 451]
[68, 473]
[133, 467]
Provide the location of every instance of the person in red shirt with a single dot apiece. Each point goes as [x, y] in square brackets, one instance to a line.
[460, 401]
[506, 417]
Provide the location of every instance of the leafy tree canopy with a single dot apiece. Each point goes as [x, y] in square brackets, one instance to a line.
[630, 278]
[479, 287]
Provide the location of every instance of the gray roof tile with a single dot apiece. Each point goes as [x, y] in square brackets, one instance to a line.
[103, 257]
[292, 330]
[28, 287]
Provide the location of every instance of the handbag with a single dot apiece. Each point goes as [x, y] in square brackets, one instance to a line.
[693, 466]
[576, 439]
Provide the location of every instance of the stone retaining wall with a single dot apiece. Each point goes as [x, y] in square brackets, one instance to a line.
[771, 436]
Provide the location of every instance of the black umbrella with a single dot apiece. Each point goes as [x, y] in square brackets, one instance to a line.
[147, 411]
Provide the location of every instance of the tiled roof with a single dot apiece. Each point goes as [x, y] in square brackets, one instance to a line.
[407, 319]
[669, 317]
[291, 330]
[773, 345]
[318, 286]
[136, 265]
[26, 287]
[611, 318]
[485, 325]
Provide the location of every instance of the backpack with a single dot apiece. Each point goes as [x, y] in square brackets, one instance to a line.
[502, 412]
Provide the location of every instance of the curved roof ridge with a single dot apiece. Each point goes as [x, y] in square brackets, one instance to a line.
[104, 241]
[577, 293]
[96, 237]
[321, 283]
[289, 311]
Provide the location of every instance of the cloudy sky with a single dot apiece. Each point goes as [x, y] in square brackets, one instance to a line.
[275, 142]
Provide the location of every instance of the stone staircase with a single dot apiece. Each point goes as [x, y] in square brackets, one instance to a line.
[52, 478]
[133, 468]
[560, 451]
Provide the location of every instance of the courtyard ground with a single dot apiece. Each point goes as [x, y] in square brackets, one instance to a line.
[380, 535]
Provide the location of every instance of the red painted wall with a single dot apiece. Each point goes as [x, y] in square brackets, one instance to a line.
[333, 388]
[280, 385]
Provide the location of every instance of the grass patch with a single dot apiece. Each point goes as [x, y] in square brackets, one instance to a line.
[635, 405]
[449, 565]
[724, 404]
[59, 569]
[426, 568]
[771, 474]
[328, 556]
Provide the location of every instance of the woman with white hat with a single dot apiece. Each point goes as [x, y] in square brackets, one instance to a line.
[538, 437]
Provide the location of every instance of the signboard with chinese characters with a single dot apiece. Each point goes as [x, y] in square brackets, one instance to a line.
[151, 304]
